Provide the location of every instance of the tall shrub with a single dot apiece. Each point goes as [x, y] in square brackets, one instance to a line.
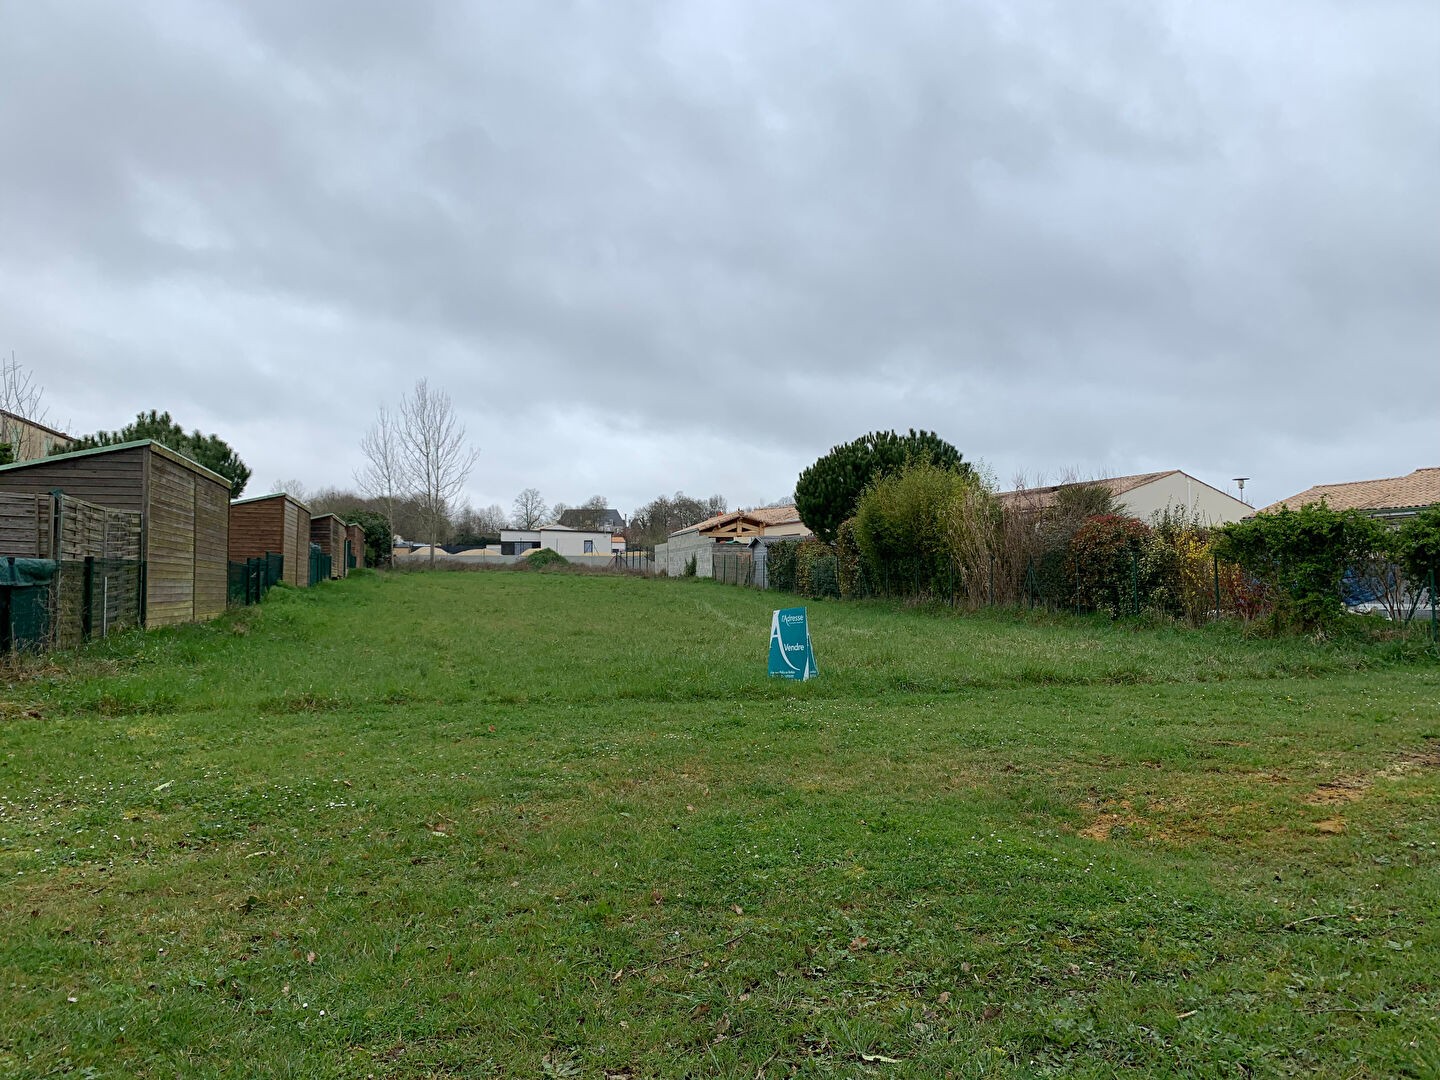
[781, 564]
[901, 527]
[851, 567]
[1050, 561]
[1303, 556]
[1177, 567]
[1417, 546]
[829, 491]
[816, 570]
[1106, 552]
[975, 537]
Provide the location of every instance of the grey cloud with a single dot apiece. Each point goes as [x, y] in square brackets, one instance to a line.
[1117, 236]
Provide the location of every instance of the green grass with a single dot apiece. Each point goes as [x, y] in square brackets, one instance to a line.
[522, 824]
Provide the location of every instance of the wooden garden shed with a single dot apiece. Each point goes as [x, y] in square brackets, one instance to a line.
[328, 531]
[185, 518]
[355, 533]
[277, 523]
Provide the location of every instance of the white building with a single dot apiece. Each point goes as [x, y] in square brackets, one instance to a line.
[1144, 495]
[518, 541]
[574, 542]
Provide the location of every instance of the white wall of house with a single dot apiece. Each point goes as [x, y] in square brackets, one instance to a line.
[1185, 493]
[789, 528]
[531, 536]
[571, 542]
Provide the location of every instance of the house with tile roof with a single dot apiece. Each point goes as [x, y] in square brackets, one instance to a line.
[767, 521]
[1391, 498]
[763, 525]
[1143, 495]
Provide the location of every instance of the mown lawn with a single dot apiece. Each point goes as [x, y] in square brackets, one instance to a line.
[523, 824]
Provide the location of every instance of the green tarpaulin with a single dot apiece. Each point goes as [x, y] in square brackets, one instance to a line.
[19, 573]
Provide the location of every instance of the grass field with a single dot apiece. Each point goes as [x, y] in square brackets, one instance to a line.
[524, 824]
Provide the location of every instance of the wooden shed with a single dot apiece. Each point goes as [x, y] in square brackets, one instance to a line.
[277, 523]
[185, 527]
[328, 531]
[355, 533]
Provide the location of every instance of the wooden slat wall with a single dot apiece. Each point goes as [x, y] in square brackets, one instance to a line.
[114, 479]
[257, 528]
[105, 534]
[297, 544]
[357, 543]
[279, 524]
[170, 548]
[26, 526]
[211, 544]
[338, 569]
[328, 531]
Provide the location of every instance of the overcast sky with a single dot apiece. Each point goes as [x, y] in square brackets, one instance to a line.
[649, 247]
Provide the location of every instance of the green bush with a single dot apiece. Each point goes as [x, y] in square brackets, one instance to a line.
[828, 492]
[1047, 574]
[850, 566]
[1105, 553]
[690, 566]
[817, 572]
[902, 526]
[544, 558]
[1303, 555]
[781, 563]
[1417, 546]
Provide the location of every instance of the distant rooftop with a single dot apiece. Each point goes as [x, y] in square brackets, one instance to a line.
[593, 520]
[1042, 498]
[1418, 489]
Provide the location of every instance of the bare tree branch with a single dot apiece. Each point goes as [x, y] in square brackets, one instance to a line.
[530, 509]
[383, 474]
[434, 458]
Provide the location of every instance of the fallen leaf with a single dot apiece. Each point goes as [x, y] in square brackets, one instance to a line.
[309, 957]
[880, 1057]
[944, 998]
[165, 785]
[990, 1012]
[858, 943]
[737, 909]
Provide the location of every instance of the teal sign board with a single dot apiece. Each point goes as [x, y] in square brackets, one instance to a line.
[791, 654]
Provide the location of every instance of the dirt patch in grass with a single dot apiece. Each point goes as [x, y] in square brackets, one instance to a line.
[1119, 819]
[1348, 789]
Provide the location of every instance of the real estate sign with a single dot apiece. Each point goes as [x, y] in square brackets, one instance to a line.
[791, 654]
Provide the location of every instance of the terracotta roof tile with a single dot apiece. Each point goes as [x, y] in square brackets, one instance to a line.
[1042, 498]
[764, 516]
[1419, 488]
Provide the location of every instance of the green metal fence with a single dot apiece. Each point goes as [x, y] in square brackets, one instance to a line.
[250, 580]
[320, 565]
